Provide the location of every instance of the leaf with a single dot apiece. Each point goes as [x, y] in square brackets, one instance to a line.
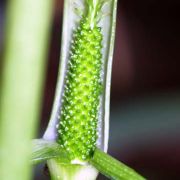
[43, 150]
[113, 168]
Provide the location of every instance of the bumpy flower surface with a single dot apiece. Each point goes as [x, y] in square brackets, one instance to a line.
[79, 114]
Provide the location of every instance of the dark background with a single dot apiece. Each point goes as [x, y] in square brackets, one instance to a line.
[145, 98]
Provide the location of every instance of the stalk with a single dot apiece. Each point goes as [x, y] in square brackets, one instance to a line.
[63, 171]
[27, 34]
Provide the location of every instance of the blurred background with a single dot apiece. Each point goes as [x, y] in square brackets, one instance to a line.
[145, 96]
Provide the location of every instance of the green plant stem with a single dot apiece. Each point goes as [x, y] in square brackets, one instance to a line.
[64, 171]
[27, 28]
[112, 168]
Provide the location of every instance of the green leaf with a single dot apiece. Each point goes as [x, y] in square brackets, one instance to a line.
[43, 150]
[113, 168]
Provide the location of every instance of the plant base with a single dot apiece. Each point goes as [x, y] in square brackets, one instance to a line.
[61, 171]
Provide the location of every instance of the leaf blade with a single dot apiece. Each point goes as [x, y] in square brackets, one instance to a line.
[43, 150]
[113, 168]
